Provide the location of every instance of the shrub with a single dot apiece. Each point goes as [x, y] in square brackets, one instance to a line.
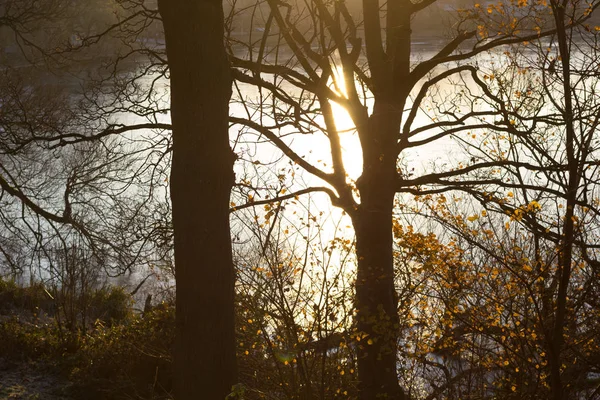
[110, 305]
[15, 299]
[118, 355]
[25, 341]
[127, 359]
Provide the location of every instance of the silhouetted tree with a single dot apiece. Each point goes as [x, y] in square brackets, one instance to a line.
[313, 55]
[201, 181]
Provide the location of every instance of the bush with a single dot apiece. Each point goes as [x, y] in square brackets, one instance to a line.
[111, 305]
[127, 359]
[22, 335]
[118, 355]
[26, 341]
[15, 299]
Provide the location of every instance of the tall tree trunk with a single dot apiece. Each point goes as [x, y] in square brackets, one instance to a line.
[201, 181]
[376, 300]
[565, 256]
[377, 316]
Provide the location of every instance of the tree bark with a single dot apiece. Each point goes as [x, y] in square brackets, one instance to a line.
[376, 300]
[377, 317]
[201, 181]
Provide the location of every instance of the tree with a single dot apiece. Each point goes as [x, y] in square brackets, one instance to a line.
[482, 289]
[546, 195]
[71, 173]
[553, 128]
[201, 181]
[117, 115]
[318, 50]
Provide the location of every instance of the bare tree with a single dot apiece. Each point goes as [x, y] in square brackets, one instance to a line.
[545, 194]
[312, 55]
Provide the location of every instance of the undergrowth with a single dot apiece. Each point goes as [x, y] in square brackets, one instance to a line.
[117, 354]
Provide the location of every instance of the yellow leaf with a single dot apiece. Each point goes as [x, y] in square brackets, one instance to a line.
[534, 206]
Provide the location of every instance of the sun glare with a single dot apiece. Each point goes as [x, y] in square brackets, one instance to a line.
[351, 150]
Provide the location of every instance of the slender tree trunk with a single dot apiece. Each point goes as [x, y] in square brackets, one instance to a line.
[565, 257]
[201, 181]
[376, 301]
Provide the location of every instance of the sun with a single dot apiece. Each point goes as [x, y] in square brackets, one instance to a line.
[351, 150]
